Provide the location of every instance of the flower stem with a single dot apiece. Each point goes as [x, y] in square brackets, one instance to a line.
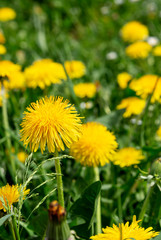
[12, 230]
[59, 181]
[6, 128]
[98, 209]
[144, 207]
[15, 228]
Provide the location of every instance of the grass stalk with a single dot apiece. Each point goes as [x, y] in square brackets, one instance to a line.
[15, 228]
[98, 209]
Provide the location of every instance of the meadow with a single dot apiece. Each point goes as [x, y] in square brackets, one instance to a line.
[80, 120]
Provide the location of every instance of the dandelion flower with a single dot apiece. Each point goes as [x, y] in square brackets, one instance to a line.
[134, 31]
[2, 49]
[2, 38]
[43, 73]
[132, 105]
[83, 90]
[123, 79]
[95, 146]
[127, 156]
[75, 69]
[146, 85]
[7, 14]
[159, 132]
[50, 121]
[11, 194]
[157, 51]
[7, 68]
[22, 156]
[15, 81]
[138, 50]
[133, 231]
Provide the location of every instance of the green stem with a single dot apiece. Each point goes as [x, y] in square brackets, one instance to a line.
[15, 228]
[98, 209]
[12, 230]
[59, 181]
[119, 207]
[145, 204]
[7, 129]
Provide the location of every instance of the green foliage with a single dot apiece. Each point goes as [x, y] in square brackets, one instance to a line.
[85, 208]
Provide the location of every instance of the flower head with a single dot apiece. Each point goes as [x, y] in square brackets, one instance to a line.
[7, 14]
[123, 79]
[146, 85]
[7, 68]
[127, 156]
[75, 69]
[2, 38]
[132, 105]
[43, 73]
[50, 121]
[83, 90]
[138, 50]
[134, 31]
[133, 231]
[157, 51]
[2, 49]
[95, 146]
[11, 194]
[159, 132]
[22, 156]
[15, 81]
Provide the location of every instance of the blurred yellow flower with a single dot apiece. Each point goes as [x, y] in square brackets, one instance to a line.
[43, 73]
[95, 146]
[134, 31]
[138, 50]
[83, 90]
[7, 14]
[7, 68]
[126, 231]
[145, 85]
[2, 49]
[123, 79]
[127, 156]
[132, 105]
[2, 38]
[157, 51]
[159, 132]
[22, 156]
[16, 81]
[75, 69]
[50, 121]
[11, 194]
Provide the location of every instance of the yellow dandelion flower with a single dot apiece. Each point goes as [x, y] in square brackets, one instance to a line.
[138, 50]
[7, 68]
[127, 156]
[2, 38]
[134, 31]
[83, 90]
[15, 81]
[11, 194]
[75, 69]
[132, 105]
[43, 73]
[123, 79]
[22, 156]
[157, 51]
[50, 121]
[133, 231]
[159, 132]
[95, 146]
[7, 14]
[145, 85]
[2, 49]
